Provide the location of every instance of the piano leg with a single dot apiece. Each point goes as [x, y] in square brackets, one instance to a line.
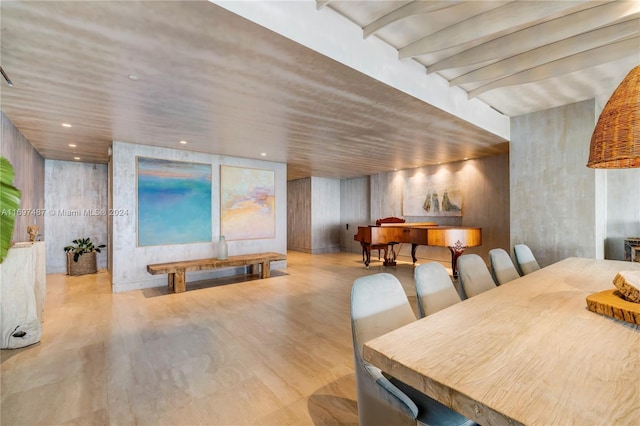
[413, 253]
[390, 255]
[456, 251]
[366, 254]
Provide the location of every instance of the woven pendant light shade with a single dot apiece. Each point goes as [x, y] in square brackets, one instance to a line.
[615, 143]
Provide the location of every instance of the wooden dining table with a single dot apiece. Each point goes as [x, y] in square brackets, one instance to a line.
[527, 352]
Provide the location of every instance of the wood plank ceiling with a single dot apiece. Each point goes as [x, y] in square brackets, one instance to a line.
[228, 86]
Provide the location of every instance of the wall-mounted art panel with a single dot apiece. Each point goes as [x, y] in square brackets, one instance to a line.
[438, 194]
[247, 203]
[174, 202]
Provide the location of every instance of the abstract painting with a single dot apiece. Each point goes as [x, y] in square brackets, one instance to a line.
[174, 202]
[439, 194]
[247, 203]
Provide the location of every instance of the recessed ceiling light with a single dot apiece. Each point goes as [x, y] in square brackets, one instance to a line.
[183, 142]
[66, 125]
[264, 154]
[76, 158]
[133, 77]
[72, 145]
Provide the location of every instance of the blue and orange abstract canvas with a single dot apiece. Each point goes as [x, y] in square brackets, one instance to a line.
[174, 202]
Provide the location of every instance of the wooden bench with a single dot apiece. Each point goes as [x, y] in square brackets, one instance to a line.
[177, 270]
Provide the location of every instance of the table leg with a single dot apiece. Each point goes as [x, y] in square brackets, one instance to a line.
[171, 277]
[266, 269]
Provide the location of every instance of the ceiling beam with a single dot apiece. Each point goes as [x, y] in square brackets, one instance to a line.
[321, 3]
[512, 16]
[416, 7]
[544, 33]
[587, 59]
[551, 52]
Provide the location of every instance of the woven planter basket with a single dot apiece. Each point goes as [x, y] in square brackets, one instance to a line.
[86, 264]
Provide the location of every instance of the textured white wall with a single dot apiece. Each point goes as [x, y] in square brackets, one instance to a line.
[130, 262]
[75, 200]
[623, 210]
[386, 194]
[619, 191]
[553, 193]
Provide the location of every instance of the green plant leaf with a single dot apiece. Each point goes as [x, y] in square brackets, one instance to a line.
[9, 203]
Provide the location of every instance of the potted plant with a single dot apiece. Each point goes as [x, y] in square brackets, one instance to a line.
[81, 257]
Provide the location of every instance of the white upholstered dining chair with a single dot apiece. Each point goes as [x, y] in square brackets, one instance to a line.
[434, 288]
[501, 265]
[473, 275]
[378, 306]
[525, 259]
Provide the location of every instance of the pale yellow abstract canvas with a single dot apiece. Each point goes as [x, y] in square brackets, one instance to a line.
[247, 203]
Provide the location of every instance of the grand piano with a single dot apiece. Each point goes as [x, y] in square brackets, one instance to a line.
[455, 238]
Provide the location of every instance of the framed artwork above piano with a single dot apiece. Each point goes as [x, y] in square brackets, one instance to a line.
[433, 195]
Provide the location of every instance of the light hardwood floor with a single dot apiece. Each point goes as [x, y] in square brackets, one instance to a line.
[233, 351]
